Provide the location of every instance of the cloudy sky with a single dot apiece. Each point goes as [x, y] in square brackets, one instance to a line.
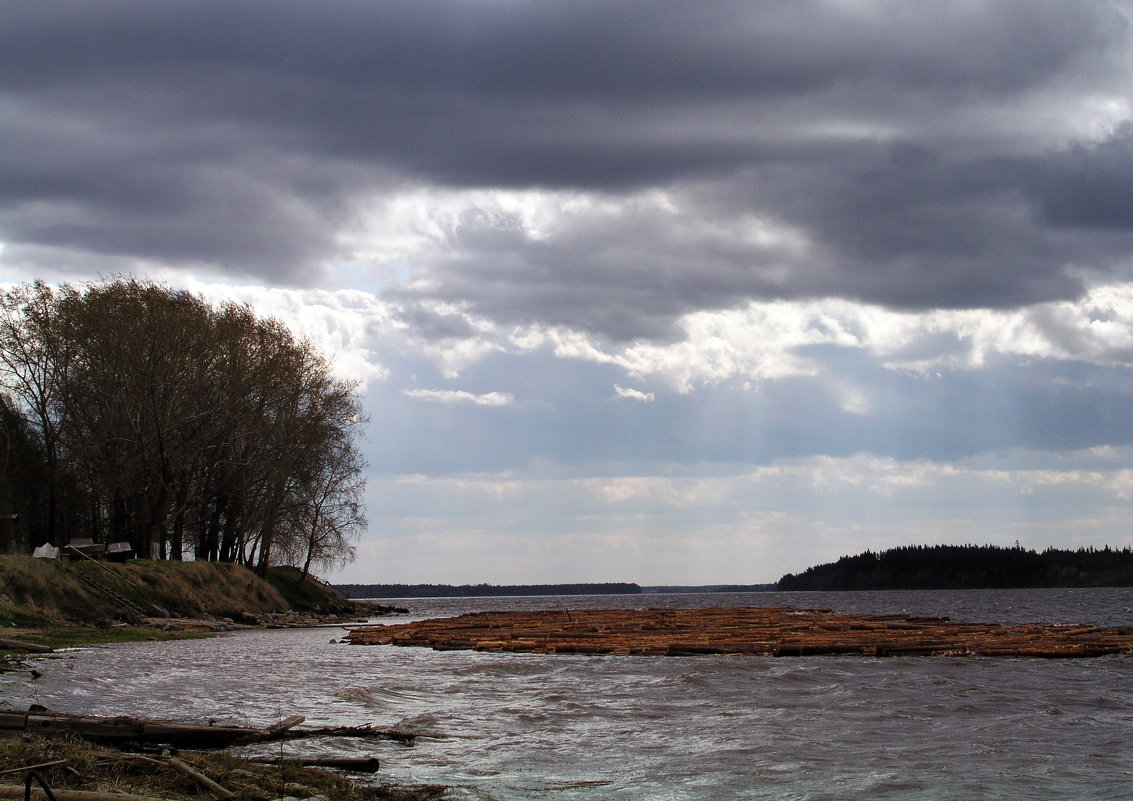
[667, 292]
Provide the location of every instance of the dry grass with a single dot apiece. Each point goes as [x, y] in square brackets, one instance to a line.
[31, 591]
[46, 592]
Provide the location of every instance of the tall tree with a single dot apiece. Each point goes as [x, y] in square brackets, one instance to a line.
[34, 360]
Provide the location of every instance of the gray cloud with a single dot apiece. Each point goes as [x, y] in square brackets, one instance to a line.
[902, 142]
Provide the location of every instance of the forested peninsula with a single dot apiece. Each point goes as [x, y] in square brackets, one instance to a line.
[967, 567]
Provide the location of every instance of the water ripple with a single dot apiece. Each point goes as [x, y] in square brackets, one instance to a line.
[506, 726]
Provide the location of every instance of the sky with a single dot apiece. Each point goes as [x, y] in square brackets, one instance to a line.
[666, 292]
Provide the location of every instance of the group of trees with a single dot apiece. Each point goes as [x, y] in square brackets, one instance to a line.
[967, 567]
[135, 412]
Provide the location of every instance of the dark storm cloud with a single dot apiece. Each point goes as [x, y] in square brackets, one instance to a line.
[431, 324]
[245, 136]
[1088, 187]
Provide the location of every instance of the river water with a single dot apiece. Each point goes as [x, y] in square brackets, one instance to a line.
[521, 726]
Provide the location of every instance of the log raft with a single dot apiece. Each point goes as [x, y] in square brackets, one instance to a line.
[753, 631]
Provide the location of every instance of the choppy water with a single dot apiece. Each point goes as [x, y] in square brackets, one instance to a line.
[518, 726]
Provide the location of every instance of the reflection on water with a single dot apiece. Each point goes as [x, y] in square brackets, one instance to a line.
[521, 726]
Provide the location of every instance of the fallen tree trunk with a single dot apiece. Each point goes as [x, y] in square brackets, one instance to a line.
[191, 772]
[356, 764]
[17, 791]
[362, 732]
[126, 729]
[27, 647]
[121, 730]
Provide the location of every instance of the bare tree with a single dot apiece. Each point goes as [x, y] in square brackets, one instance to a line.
[327, 513]
[34, 360]
[192, 425]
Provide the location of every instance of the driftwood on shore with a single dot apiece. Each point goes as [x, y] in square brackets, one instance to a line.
[756, 631]
[26, 647]
[119, 730]
[20, 792]
[127, 729]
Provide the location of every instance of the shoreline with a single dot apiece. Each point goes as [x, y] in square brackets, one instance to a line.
[138, 776]
[68, 635]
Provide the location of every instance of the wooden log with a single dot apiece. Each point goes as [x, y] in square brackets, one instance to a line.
[125, 729]
[35, 767]
[284, 725]
[13, 721]
[361, 732]
[27, 647]
[200, 778]
[355, 764]
[17, 792]
[782, 632]
[188, 770]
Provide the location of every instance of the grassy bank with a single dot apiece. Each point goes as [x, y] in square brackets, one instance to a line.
[38, 593]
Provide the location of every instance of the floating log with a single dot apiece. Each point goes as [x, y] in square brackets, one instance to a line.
[355, 764]
[754, 631]
[362, 732]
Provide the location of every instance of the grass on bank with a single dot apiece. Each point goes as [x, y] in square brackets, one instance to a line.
[90, 767]
[38, 593]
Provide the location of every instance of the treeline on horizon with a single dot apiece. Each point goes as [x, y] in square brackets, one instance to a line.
[967, 567]
[483, 590]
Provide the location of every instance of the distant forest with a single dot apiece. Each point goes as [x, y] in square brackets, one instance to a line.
[481, 590]
[967, 567]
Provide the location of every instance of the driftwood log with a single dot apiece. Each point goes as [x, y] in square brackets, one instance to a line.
[27, 647]
[757, 631]
[18, 791]
[119, 730]
[189, 771]
[127, 729]
[354, 764]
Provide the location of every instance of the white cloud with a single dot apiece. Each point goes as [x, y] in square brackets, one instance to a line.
[346, 324]
[449, 397]
[633, 394]
[768, 341]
